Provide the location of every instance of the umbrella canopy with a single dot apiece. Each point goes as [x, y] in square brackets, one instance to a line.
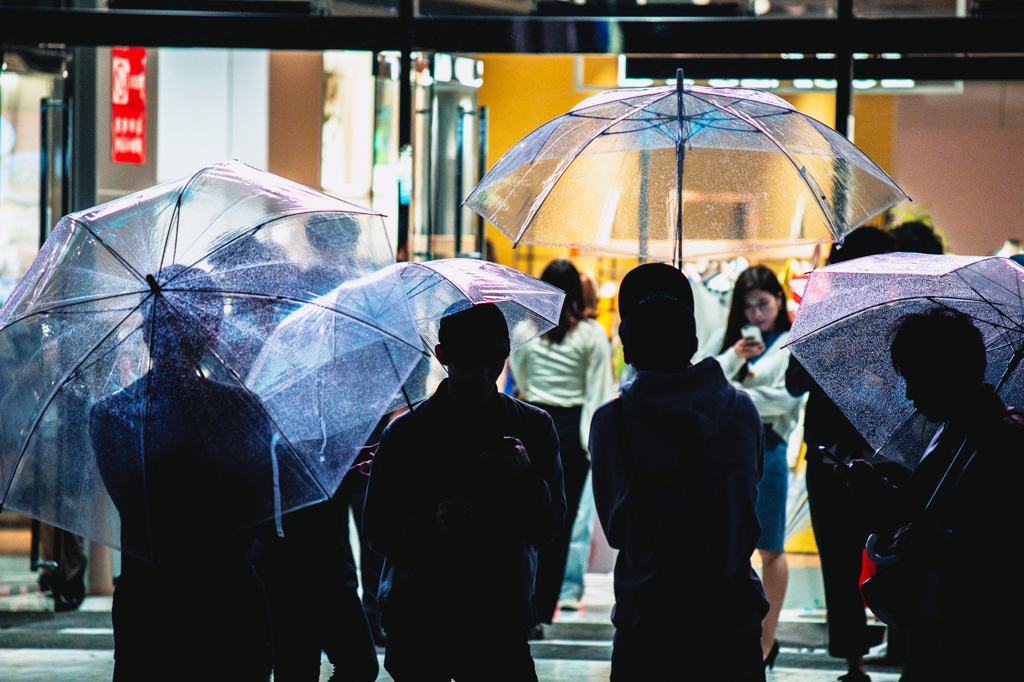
[674, 173]
[123, 350]
[444, 287]
[843, 331]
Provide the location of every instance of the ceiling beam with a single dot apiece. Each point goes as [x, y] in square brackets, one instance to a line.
[528, 35]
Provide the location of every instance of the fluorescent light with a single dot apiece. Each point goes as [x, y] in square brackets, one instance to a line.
[825, 55]
[759, 83]
[792, 55]
[859, 84]
[860, 55]
[723, 82]
[466, 72]
[803, 83]
[897, 83]
[442, 68]
[825, 83]
[891, 55]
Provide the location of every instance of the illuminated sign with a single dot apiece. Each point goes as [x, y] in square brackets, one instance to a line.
[128, 105]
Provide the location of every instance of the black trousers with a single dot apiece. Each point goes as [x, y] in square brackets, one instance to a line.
[842, 523]
[687, 656]
[371, 564]
[575, 465]
[450, 650]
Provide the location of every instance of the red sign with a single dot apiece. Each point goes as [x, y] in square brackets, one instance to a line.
[128, 105]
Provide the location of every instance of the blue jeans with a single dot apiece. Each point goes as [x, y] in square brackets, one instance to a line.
[579, 545]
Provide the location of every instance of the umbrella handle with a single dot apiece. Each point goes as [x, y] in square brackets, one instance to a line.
[874, 556]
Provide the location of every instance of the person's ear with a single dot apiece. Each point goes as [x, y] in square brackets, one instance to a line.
[439, 354]
[625, 355]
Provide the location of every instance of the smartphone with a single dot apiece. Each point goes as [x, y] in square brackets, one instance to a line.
[752, 331]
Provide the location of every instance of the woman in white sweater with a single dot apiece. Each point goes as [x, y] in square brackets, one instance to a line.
[568, 373]
[755, 361]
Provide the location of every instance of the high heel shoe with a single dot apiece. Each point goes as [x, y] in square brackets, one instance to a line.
[769, 661]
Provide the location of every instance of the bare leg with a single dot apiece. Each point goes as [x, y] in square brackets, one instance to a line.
[774, 577]
[856, 665]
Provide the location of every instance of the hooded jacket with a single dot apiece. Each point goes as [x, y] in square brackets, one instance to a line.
[683, 518]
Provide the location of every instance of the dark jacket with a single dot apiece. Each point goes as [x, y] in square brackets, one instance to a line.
[684, 520]
[171, 449]
[430, 455]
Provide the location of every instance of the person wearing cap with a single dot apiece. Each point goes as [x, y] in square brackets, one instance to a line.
[676, 463]
[463, 490]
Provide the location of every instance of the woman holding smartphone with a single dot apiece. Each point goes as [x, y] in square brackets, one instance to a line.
[750, 350]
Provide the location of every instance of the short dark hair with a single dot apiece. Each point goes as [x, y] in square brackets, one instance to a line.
[660, 335]
[658, 329]
[864, 241]
[941, 340]
[477, 334]
[915, 236]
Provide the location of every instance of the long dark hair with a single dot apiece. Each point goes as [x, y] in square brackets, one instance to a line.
[754, 278]
[564, 275]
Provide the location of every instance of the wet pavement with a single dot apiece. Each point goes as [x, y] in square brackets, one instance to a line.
[42, 646]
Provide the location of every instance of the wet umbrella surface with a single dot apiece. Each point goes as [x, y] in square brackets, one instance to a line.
[843, 331]
[444, 287]
[124, 354]
[682, 172]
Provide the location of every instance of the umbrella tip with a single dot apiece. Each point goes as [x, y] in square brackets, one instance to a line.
[153, 286]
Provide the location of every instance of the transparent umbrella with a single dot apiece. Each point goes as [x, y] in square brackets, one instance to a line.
[123, 351]
[675, 173]
[843, 331]
[444, 287]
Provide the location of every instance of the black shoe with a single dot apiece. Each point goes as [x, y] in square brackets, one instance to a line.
[769, 662]
[855, 676]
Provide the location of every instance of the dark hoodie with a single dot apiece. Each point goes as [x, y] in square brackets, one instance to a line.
[684, 522]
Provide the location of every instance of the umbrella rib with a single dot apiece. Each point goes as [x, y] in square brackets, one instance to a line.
[175, 220]
[113, 253]
[251, 394]
[61, 306]
[533, 213]
[291, 299]
[801, 170]
[53, 394]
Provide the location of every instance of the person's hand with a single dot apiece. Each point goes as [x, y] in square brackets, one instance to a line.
[748, 348]
[905, 540]
[507, 457]
[862, 479]
[453, 518]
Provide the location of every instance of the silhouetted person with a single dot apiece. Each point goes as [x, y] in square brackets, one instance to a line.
[464, 488]
[180, 453]
[311, 588]
[915, 236]
[842, 521]
[676, 464]
[961, 594]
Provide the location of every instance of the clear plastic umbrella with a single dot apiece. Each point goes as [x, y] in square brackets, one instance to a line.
[843, 331]
[444, 287]
[675, 173]
[123, 351]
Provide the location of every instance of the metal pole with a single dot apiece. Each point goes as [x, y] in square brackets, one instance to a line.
[460, 129]
[481, 242]
[677, 257]
[844, 72]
